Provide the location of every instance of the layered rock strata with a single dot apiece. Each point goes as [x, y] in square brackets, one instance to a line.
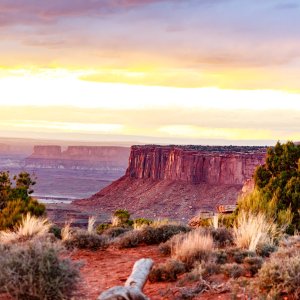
[179, 181]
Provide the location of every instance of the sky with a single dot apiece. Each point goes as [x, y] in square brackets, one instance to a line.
[151, 71]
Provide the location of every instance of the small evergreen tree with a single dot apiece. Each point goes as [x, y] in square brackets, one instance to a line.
[15, 199]
[277, 184]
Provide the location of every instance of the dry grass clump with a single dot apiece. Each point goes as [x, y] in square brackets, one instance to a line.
[252, 230]
[163, 222]
[91, 225]
[29, 227]
[193, 246]
[35, 270]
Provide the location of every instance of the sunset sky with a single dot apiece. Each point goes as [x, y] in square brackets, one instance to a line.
[157, 71]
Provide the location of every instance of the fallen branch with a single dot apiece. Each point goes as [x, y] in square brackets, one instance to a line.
[133, 289]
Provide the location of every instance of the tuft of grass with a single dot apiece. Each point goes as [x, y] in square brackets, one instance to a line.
[35, 270]
[66, 233]
[193, 246]
[252, 230]
[29, 227]
[91, 224]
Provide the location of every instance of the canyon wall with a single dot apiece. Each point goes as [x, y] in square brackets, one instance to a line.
[179, 181]
[173, 163]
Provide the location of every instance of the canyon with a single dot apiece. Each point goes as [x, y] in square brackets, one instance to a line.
[179, 181]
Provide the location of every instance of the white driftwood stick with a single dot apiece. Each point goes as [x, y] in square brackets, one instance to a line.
[133, 285]
[139, 274]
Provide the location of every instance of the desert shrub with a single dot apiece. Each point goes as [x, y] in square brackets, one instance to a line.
[222, 237]
[253, 264]
[82, 239]
[239, 255]
[56, 231]
[167, 271]
[102, 227]
[149, 235]
[221, 257]
[280, 275]
[29, 227]
[141, 222]
[36, 271]
[265, 250]
[211, 268]
[252, 230]
[120, 217]
[114, 232]
[193, 246]
[233, 270]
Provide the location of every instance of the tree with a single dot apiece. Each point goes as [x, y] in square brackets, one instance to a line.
[277, 185]
[15, 199]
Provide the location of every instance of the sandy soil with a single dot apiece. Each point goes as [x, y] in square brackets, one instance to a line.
[105, 269]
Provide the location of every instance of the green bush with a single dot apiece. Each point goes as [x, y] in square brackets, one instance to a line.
[167, 271]
[140, 222]
[102, 227]
[36, 271]
[56, 231]
[121, 217]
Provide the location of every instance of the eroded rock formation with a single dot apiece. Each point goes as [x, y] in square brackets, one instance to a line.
[173, 163]
[178, 181]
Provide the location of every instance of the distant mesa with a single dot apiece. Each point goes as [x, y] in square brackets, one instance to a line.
[179, 181]
[95, 157]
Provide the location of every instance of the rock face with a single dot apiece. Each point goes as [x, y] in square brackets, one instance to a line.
[178, 181]
[79, 157]
[171, 163]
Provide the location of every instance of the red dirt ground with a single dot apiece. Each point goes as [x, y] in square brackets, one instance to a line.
[111, 267]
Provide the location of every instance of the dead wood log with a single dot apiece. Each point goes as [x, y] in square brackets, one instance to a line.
[133, 289]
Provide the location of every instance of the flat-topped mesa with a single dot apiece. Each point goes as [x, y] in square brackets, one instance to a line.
[80, 157]
[231, 165]
[97, 153]
[46, 151]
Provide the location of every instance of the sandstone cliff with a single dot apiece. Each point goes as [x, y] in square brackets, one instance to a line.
[173, 163]
[178, 181]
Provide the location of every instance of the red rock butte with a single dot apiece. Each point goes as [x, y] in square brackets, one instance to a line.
[179, 181]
